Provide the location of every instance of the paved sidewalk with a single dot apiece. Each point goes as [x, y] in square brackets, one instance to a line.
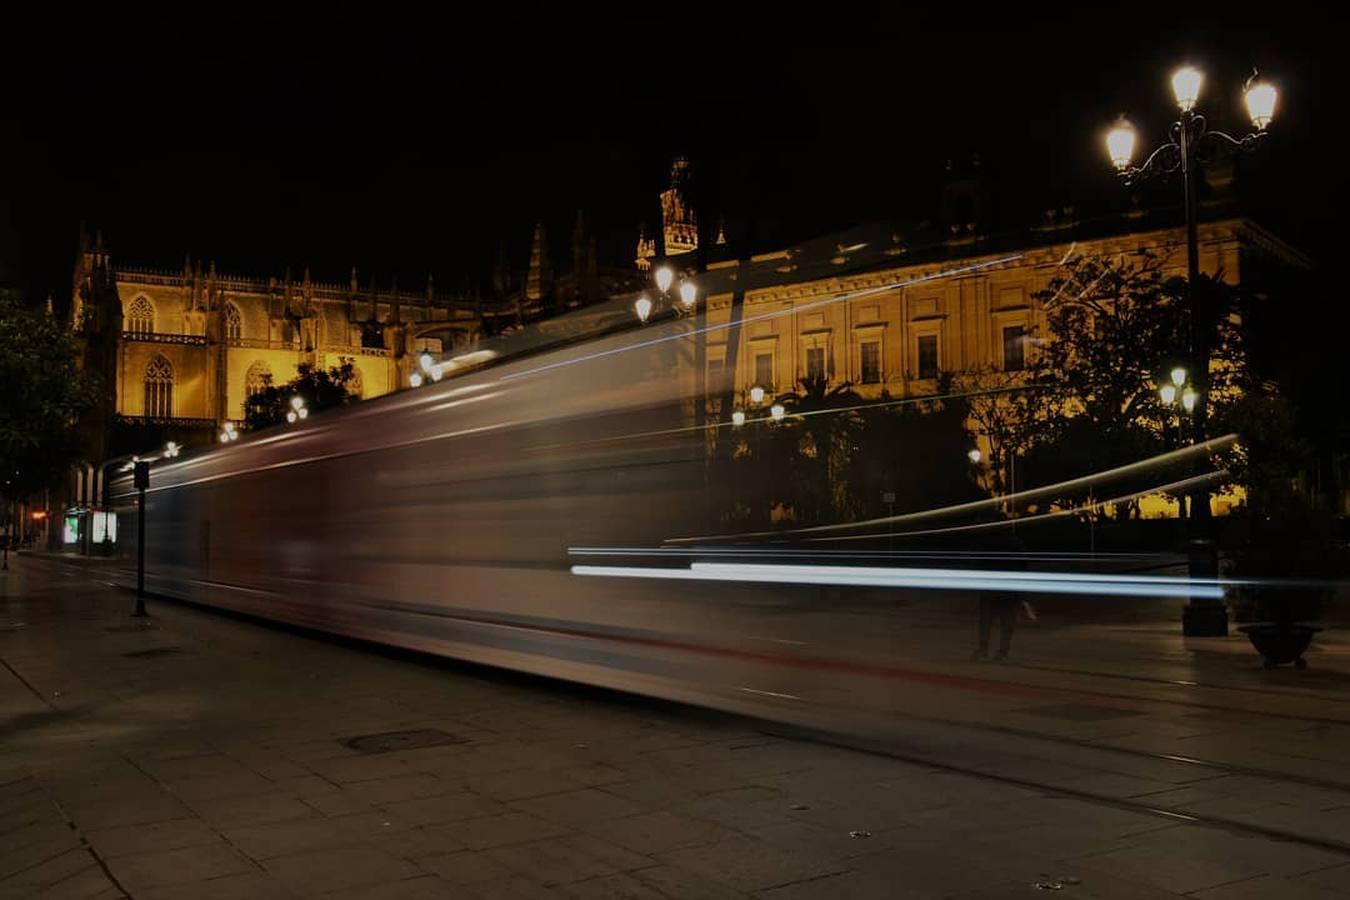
[199, 756]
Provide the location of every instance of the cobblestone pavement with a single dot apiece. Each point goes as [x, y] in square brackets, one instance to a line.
[199, 756]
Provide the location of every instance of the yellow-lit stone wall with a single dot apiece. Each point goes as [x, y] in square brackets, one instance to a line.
[197, 342]
[965, 312]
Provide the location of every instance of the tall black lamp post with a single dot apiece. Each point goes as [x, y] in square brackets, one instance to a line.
[1192, 145]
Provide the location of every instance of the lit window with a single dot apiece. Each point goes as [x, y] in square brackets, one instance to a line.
[140, 316]
[159, 389]
[1014, 348]
[815, 362]
[871, 362]
[764, 370]
[928, 356]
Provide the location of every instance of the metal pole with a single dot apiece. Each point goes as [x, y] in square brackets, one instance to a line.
[140, 553]
[1202, 617]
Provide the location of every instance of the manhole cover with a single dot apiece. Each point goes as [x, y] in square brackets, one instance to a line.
[151, 653]
[403, 740]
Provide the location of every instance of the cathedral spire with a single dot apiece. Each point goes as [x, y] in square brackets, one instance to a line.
[540, 277]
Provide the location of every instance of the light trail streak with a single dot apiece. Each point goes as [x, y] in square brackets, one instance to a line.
[683, 429]
[936, 579]
[1183, 484]
[1083, 481]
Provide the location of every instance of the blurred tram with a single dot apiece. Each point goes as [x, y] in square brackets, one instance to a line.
[439, 519]
[447, 520]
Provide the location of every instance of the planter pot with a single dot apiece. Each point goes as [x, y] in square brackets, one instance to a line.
[1281, 644]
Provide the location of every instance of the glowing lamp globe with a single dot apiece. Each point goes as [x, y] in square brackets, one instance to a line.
[643, 307]
[1261, 98]
[778, 412]
[738, 418]
[1167, 394]
[1120, 143]
[688, 294]
[1186, 83]
[665, 277]
[757, 394]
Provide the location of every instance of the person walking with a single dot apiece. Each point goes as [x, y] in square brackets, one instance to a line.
[1003, 606]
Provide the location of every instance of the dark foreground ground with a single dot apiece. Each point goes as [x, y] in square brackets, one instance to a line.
[195, 755]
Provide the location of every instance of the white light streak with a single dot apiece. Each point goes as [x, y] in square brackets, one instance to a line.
[936, 579]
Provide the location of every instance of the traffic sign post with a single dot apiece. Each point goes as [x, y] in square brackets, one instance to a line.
[141, 474]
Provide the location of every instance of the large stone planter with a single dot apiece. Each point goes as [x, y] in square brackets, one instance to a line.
[1280, 644]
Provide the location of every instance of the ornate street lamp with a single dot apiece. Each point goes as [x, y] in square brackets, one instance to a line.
[1192, 145]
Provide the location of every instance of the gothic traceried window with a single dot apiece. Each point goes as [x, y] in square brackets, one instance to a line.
[256, 378]
[140, 316]
[159, 389]
[234, 323]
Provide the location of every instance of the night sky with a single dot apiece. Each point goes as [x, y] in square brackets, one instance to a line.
[368, 135]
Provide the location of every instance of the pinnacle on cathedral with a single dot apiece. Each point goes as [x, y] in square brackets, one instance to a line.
[678, 220]
[679, 223]
[540, 277]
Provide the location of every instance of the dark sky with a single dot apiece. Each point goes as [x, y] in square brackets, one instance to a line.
[378, 136]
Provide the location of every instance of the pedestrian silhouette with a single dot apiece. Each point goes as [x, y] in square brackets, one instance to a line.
[1001, 605]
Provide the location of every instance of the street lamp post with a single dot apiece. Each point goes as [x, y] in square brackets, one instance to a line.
[1186, 152]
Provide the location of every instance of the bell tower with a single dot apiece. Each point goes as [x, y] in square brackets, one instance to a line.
[678, 222]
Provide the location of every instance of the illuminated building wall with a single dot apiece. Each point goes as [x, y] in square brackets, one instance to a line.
[900, 339]
[187, 347]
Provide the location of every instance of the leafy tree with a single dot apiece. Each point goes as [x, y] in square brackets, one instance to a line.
[916, 451]
[1007, 409]
[1118, 326]
[44, 390]
[834, 456]
[320, 388]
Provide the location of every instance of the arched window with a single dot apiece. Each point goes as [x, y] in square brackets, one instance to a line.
[256, 378]
[159, 389]
[140, 316]
[234, 323]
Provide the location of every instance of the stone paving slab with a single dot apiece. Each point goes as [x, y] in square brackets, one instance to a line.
[225, 769]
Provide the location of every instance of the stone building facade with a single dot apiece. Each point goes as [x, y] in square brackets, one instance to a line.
[183, 350]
